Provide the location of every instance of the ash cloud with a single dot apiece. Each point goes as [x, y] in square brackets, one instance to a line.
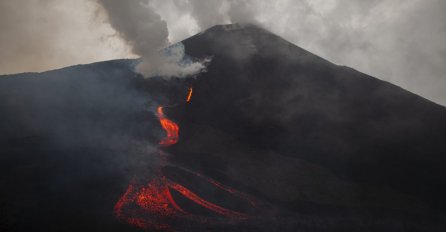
[138, 24]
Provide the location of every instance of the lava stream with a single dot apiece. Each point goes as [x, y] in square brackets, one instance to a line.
[144, 206]
[171, 128]
[189, 95]
[206, 204]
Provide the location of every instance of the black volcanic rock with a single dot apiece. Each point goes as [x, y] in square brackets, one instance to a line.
[322, 146]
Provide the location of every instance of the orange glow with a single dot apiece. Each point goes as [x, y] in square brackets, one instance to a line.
[151, 205]
[189, 95]
[206, 204]
[170, 127]
[227, 189]
[147, 206]
[153, 199]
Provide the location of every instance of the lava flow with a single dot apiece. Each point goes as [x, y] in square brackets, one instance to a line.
[170, 127]
[189, 95]
[150, 205]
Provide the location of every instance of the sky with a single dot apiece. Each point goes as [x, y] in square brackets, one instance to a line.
[400, 41]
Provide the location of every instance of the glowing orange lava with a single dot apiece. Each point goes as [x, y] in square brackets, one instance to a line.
[189, 95]
[150, 205]
[206, 204]
[145, 206]
[170, 127]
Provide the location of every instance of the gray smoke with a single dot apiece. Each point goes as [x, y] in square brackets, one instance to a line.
[242, 11]
[398, 41]
[208, 13]
[137, 23]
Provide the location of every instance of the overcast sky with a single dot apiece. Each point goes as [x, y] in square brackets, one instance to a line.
[400, 41]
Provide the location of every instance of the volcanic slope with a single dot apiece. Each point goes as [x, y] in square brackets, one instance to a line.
[311, 136]
[322, 147]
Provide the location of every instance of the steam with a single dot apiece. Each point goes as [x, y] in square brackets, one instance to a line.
[207, 13]
[147, 34]
[212, 12]
[400, 43]
[242, 11]
[177, 64]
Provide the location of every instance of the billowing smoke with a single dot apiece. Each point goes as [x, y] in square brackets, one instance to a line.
[147, 34]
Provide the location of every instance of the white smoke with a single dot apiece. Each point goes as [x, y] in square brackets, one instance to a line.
[177, 64]
[146, 33]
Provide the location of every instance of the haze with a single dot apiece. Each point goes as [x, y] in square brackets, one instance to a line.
[403, 42]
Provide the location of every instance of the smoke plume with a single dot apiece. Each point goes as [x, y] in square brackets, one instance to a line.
[147, 34]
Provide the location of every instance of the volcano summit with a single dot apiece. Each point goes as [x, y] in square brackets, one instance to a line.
[269, 138]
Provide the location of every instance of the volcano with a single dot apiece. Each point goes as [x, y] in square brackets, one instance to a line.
[269, 138]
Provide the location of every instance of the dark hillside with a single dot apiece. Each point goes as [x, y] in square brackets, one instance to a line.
[321, 147]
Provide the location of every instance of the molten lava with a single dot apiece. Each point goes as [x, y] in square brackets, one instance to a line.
[170, 127]
[206, 204]
[150, 205]
[189, 95]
